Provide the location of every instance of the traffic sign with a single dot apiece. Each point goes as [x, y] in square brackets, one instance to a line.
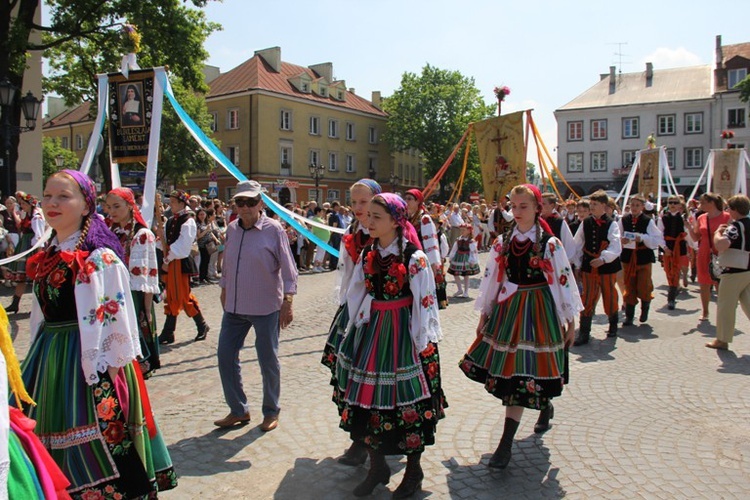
[213, 189]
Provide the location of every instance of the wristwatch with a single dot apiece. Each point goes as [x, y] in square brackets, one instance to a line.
[289, 298]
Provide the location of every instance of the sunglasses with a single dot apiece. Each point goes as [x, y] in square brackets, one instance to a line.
[673, 202]
[246, 202]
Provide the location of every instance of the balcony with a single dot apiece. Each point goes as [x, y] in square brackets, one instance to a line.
[285, 170]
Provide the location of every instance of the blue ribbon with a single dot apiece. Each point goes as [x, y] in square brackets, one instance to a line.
[216, 153]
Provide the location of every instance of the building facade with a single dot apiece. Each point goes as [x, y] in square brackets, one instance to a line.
[685, 109]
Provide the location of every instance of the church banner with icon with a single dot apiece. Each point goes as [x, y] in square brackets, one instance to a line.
[648, 173]
[501, 153]
[131, 103]
[726, 164]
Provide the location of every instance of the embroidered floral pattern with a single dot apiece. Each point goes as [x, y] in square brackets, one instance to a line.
[107, 310]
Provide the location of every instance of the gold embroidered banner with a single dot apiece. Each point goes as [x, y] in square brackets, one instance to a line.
[130, 103]
[648, 173]
[724, 180]
[501, 153]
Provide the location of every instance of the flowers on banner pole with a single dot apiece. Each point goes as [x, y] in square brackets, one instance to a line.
[650, 142]
[131, 39]
[501, 92]
[726, 135]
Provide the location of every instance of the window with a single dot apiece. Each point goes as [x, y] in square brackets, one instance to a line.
[693, 157]
[323, 91]
[671, 158]
[575, 131]
[285, 160]
[599, 161]
[372, 162]
[693, 123]
[214, 121]
[314, 194]
[575, 162]
[349, 131]
[630, 129]
[64, 143]
[233, 152]
[286, 120]
[598, 130]
[333, 161]
[413, 174]
[333, 128]
[314, 125]
[79, 142]
[233, 119]
[314, 156]
[305, 87]
[735, 76]
[666, 124]
[350, 163]
[628, 158]
[372, 135]
[333, 194]
[736, 118]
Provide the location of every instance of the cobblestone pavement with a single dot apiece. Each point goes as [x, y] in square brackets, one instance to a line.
[652, 413]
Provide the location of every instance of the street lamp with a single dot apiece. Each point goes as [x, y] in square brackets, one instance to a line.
[317, 172]
[394, 179]
[59, 161]
[30, 108]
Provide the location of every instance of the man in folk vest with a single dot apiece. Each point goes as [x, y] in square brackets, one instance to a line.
[557, 223]
[597, 258]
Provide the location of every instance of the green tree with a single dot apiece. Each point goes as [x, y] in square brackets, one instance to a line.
[84, 38]
[531, 176]
[744, 88]
[430, 112]
[51, 150]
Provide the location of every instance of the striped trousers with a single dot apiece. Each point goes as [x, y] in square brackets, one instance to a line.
[595, 284]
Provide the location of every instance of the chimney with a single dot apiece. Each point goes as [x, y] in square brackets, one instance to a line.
[323, 69]
[612, 80]
[272, 56]
[649, 74]
[719, 53]
[376, 99]
[351, 90]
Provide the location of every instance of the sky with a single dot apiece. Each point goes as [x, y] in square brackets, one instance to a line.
[547, 52]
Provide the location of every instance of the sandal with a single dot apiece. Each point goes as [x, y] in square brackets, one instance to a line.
[718, 345]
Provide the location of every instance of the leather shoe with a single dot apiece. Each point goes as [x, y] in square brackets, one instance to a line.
[718, 344]
[231, 420]
[269, 423]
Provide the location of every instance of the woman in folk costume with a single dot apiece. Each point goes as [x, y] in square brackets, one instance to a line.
[528, 303]
[388, 369]
[430, 239]
[30, 229]
[356, 238]
[26, 468]
[139, 244]
[92, 408]
[464, 260]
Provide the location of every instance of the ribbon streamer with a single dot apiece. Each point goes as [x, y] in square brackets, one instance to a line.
[36, 246]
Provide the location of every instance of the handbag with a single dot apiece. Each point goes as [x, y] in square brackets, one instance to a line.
[194, 249]
[714, 269]
[211, 247]
[737, 258]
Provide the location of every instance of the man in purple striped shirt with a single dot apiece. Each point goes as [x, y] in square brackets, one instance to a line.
[258, 284]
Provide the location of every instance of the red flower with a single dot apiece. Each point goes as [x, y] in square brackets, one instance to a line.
[428, 415]
[534, 262]
[501, 265]
[563, 280]
[57, 277]
[351, 247]
[152, 272]
[552, 248]
[115, 432]
[345, 415]
[439, 278]
[398, 271]
[375, 421]
[108, 258]
[369, 260]
[111, 307]
[106, 408]
[428, 351]
[413, 441]
[92, 495]
[545, 265]
[427, 301]
[143, 239]
[432, 370]
[413, 269]
[391, 288]
[368, 285]
[410, 415]
[100, 313]
[136, 271]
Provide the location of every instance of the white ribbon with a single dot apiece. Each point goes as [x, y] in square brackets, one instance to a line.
[96, 132]
[36, 246]
[149, 187]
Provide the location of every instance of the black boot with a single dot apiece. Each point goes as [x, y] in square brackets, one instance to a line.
[203, 327]
[584, 331]
[672, 298]
[629, 314]
[379, 473]
[412, 481]
[542, 423]
[167, 333]
[13, 307]
[644, 311]
[613, 320]
[355, 455]
[501, 458]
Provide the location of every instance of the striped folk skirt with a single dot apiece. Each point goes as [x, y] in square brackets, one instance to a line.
[149, 360]
[389, 395]
[16, 270]
[335, 336]
[521, 357]
[97, 434]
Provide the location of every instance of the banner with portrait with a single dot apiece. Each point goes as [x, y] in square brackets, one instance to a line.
[649, 173]
[726, 163]
[501, 154]
[130, 111]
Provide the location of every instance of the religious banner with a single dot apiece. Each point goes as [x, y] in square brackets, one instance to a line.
[648, 173]
[726, 164]
[130, 104]
[501, 153]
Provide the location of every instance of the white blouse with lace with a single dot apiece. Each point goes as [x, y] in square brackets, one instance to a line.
[142, 263]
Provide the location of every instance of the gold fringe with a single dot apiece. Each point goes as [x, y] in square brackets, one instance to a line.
[15, 382]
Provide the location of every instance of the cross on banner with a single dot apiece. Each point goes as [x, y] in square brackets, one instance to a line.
[501, 164]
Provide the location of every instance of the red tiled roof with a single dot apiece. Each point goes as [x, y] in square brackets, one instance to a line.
[81, 113]
[737, 49]
[256, 74]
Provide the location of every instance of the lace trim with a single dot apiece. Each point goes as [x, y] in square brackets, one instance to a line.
[73, 437]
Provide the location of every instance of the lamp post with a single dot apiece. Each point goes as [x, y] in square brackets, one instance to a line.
[30, 108]
[59, 161]
[394, 179]
[317, 172]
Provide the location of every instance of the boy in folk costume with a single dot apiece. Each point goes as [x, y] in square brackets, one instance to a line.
[597, 260]
[675, 259]
[179, 266]
[557, 223]
[637, 257]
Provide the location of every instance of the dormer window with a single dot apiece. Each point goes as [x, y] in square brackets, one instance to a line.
[323, 91]
[735, 76]
[305, 87]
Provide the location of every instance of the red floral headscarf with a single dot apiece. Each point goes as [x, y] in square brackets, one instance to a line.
[396, 207]
[127, 195]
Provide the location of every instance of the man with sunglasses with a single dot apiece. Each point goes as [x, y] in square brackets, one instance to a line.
[672, 224]
[258, 284]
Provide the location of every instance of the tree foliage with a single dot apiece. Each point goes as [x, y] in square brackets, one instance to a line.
[51, 150]
[744, 88]
[430, 112]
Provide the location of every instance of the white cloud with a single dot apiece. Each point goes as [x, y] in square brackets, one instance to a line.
[664, 57]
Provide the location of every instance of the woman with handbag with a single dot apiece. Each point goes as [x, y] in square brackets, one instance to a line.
[702, 230]
[732, 242]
